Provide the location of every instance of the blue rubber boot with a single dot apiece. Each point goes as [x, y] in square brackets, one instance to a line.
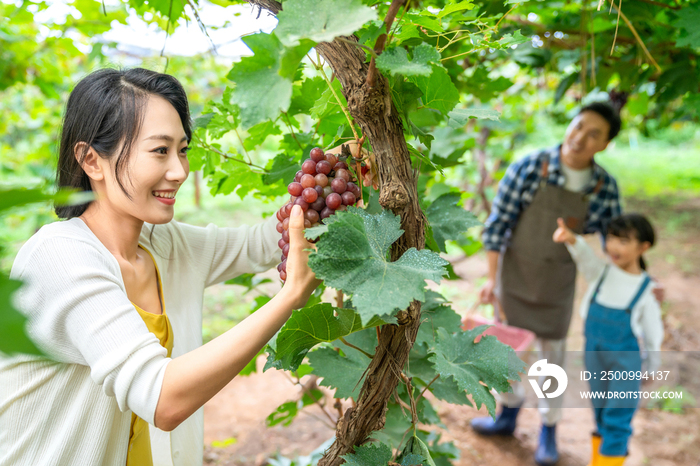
[546, 453]
[503, 425]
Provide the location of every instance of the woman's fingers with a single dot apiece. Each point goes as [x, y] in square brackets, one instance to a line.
[560, 222]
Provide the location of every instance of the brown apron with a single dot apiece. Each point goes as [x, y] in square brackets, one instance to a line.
[537, 277]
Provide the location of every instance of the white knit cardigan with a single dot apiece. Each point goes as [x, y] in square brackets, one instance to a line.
[76, 410]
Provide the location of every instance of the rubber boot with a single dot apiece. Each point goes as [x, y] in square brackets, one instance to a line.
[546, 453]
[610, 460]
[595, 450]
[503, 425]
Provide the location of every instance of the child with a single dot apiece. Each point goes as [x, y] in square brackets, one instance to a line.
[619, 309]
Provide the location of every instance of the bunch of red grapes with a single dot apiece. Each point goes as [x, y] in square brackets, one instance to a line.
[322, 186]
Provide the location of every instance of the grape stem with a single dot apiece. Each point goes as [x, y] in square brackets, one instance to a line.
[426, 388]
[381, 40]
[226, 156]
[319, 67]
[289, 125]
[371, 356]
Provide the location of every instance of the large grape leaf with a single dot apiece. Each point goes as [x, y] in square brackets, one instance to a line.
[353, 256]
[688, 20]
[344, 373]
[444, 388]
[13, 338]
[488, 361]
[435, 313]
[439, 92]
[448, 219]
[321, 20]
[260, 92]
[369, 455]
[459, 117]
[395, 60]
[312, 325]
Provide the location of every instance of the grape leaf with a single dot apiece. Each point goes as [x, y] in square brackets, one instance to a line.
[320, 20]
[352, 256]
[488, 361]
[369, 455]
[449, 220]
[438, 90]
[459, 117]
[395, 60]
[260, 92]
[283, 168]
[310, 326]
[436, 313]
[461, 6]
[444, 388]
[688, 20]
[291, 57]
[13, 337]
[286, 412]
[345, 373]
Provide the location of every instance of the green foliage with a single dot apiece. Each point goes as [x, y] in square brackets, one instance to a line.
[369, 455]
[396, 61]
[286, 412]
[352, 256]
[310, 326]
[448, 220]
[471, 364]
[319, 21]
[13, 338]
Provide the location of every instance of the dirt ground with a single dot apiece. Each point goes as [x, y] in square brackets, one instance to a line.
[660, 438]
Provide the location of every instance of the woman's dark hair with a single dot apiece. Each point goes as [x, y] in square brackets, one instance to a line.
[608, 112]
[633, 226]
[105, 112]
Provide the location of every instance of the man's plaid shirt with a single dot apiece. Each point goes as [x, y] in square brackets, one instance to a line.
[517, 189]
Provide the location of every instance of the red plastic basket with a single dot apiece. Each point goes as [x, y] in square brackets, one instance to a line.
[517, 338]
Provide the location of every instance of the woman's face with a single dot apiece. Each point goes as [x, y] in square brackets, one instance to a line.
[157, 167]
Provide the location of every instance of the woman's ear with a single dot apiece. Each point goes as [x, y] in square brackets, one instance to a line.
[644, 247]
[89, 161]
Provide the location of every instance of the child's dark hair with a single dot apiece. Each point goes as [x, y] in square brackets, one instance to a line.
[105, 112]
[608, 112]
[633, 226]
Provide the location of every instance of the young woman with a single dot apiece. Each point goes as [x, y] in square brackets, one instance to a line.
[114, 292]
[620, 312]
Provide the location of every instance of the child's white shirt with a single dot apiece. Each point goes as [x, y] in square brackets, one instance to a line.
[617, 291]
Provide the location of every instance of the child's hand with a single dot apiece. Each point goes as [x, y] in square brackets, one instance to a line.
[563, 234]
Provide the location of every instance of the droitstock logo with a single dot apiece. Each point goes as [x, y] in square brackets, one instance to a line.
[542, 370]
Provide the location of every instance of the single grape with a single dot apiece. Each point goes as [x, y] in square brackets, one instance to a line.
[283, 275]
[326, 191]
[321, 179]
[326, 212]
[318, 204]
[332, 159]
[342, 173]
[295, 188]
[340, 165]
[285, 224]
[302, 203]
[319, 190]
[307, 223]
[348, 198]
[297, 177]
[280, 228]
[353, 188]
[309, 195]
[339, 186]
[281, 242]
[342, 208]
[279, 214]
[279, 266]
[285, 236]
[309, 167]
[283, 266]
[283, 258]
[317, 154]
[323, 167]
[287, 210]
[307, 181]
[285, 249]
[334, 201]
[312, 216]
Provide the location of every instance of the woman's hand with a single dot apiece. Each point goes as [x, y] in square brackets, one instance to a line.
[301, 280]
[563, 234]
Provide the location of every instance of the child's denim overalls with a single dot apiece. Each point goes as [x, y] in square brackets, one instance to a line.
[611, 346]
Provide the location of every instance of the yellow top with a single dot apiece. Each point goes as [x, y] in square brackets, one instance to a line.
[139, 453]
